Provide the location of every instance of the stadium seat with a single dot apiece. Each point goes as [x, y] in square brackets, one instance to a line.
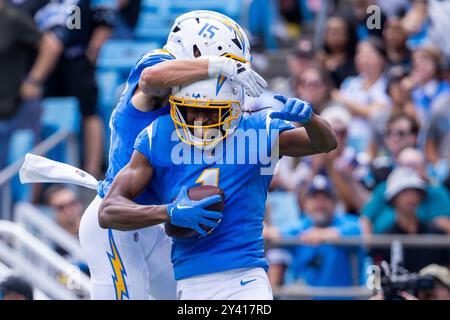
[108, 81]
[123, 54]
[22, 141]
[284, 211]
[154, 27]
[61, 114]
[109, 84]
[261, 18]
[154, 6]
[230, 8]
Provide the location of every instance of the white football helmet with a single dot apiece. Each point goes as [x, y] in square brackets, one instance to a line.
[207, 33]
[221, 96]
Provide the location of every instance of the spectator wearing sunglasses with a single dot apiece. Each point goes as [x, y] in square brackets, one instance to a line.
[66, 206]
[401, 132]
[400, 103]
[314, 85]
[68, 211]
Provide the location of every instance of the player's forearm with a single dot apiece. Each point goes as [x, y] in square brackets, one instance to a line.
[320, 134]
[173, 73]
[123, 214]
[50, 49]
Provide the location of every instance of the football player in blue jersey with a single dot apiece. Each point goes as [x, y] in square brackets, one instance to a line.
[208, 139]
[134, 265]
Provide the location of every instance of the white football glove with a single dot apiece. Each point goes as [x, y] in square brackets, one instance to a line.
[238, 72]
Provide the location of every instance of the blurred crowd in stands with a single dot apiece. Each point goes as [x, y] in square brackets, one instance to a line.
[385, 92]
[380, 77]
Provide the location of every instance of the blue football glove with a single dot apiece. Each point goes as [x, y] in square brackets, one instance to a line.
[187, 213]
[294, 110]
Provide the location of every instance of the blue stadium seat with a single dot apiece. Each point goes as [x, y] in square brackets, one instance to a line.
[123, 54]
[153, 6]
[230, 8]
[153, 26]
[284, 212]
[261, 17]
[109, 83]
[22, 141]
[61, 114]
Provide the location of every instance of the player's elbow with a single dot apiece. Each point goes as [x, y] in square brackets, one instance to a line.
[332, 144]
[329, 144]
[153, 77]
[105, 214]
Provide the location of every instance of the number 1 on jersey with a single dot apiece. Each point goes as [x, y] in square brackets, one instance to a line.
[209, 177]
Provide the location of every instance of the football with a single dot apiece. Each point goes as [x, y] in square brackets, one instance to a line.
[196, 193]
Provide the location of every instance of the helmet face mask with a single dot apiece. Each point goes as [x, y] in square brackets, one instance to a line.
[207, 33]
[222, 112]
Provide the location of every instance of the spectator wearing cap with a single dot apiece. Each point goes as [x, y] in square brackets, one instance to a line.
[441, 277]
[378, 214]
[405, 191]
[15, 288]
[338, 50]
[365, 95]
[314, 262]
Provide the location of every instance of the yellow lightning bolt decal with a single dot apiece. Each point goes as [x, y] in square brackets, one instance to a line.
[119, 271]
[220, 81]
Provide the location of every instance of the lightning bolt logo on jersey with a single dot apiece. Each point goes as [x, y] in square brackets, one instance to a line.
[237, 241]
[119, 272]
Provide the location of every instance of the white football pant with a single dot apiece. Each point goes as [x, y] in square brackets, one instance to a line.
[126, 264]
[237, 284]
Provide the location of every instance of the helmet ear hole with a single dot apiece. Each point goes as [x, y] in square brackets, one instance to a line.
[196, 51]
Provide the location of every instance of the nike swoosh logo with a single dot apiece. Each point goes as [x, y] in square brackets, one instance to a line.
[179, 206]
[243, 283]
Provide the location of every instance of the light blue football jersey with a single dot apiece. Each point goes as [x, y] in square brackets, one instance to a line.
[127, 122]
[238, 169]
